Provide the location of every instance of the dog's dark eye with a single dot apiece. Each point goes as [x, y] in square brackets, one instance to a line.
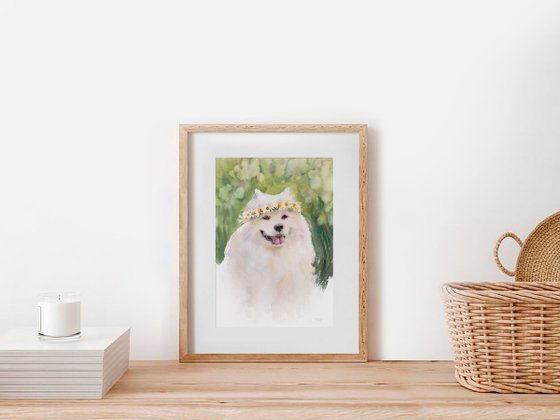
[266, 218]
[284, 216]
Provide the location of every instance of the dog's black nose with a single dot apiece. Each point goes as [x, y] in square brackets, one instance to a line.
[278, 228]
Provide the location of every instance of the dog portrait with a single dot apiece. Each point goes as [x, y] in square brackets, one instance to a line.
[274, 242]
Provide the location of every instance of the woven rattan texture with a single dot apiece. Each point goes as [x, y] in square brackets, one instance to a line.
[539, 259]
[506, 336]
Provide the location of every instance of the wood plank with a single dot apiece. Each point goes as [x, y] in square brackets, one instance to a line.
[183, 242]
[273, 128]
[363, 243]
[165, 390]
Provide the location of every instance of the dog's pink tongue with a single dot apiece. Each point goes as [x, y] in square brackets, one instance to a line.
[277, 240]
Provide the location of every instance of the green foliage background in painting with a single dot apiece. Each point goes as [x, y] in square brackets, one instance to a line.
[311, 181]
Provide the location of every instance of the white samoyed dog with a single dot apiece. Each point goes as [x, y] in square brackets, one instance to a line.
[268, 261]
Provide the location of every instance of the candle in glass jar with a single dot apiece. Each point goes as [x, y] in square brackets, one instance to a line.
[59, 315]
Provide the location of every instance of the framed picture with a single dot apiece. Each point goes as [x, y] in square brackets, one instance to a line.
[273, 243]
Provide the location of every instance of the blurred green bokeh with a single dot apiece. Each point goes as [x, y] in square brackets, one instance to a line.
[311, 181]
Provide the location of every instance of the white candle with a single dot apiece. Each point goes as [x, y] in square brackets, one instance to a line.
[59, 315]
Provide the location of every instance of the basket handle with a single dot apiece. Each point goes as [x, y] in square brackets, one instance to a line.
[497, 248]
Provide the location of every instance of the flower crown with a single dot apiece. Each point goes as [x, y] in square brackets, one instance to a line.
[253, 214]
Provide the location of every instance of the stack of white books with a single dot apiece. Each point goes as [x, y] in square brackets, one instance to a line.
[32, 368]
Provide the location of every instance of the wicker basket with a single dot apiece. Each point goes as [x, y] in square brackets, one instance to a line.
[506, 336]
[539, 258]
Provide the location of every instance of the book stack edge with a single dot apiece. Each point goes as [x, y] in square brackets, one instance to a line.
[31, 368]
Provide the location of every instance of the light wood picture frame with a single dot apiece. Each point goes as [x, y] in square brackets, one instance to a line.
[186, 199]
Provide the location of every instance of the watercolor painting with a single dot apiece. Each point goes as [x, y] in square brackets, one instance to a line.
[274, 242]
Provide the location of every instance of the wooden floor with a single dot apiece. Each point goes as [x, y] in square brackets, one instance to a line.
[162, 390]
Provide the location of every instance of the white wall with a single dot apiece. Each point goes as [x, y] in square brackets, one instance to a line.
[462, 100]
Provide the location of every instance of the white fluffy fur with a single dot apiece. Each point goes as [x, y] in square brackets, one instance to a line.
[267, 279]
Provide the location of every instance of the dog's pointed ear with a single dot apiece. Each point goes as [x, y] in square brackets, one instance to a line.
[287, 194]
[255, 199]
[258, 193]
